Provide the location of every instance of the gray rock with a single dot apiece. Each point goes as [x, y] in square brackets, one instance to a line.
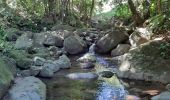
[53, 40]
[25, 73]
[141, 63]
[163, 96]
[87, 65]
[63, 62]
[39, 39]
[88, 57]
[85, 76]
[24, 42]
[48, 69]
[38, 61]
[35, 70]
[28, 88]
[67, 34]
[74, 45]
[136, 39]
[120, 50]
[110, 41]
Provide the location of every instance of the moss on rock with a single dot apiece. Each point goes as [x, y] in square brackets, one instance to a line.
[6, 77]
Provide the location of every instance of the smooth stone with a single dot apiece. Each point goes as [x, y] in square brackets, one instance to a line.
[77, 76]
[87, 65]
[28, 88]
[106, 74]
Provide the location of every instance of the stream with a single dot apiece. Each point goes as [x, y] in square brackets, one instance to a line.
[62, 88]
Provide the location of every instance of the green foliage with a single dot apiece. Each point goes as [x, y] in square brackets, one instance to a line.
[157, 22]
[165, 50]
[3, 43]
[121, 11]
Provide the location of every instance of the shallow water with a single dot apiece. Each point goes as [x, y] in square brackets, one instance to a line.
[61, 88]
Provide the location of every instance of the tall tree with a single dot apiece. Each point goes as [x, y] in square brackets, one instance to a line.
[136, 16]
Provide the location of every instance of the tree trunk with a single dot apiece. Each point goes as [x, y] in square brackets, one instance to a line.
[92, 8]
[136, 16]
[159, 6]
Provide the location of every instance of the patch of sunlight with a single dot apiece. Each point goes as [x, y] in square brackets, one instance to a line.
[12, 3]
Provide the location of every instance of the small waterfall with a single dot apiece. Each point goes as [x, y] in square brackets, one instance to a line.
[91, 48]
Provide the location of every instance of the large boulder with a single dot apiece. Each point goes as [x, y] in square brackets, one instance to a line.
[110, 41]
[63, 62]
[139, 36]
[24, 41]
[74, 45]
[120, 50]
[28, 88]
[149, 61]
[53, 40]
[6, 77]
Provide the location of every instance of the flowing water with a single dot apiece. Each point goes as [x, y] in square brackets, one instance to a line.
[61, 88]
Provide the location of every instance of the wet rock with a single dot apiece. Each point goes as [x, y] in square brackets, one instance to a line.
[77, 76]
[63, 62]
[48, 69]
[106, 74]
[87, 65]
[24, 42]
[74, 45]
[38, 61]
[110, 41]
[120, 50]
[28, 88]
[53, 40]
[88, 57]
[6, 77]
[163, 96]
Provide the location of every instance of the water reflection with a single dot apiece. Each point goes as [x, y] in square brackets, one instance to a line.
[108, 92]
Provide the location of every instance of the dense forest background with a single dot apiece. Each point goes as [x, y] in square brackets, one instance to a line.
[38, 15]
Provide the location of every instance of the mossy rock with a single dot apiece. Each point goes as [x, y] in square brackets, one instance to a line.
[23, 60]
[6, 77]
[12, 34]
[153, 56]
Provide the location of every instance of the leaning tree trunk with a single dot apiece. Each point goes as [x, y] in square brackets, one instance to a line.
[136, 16]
